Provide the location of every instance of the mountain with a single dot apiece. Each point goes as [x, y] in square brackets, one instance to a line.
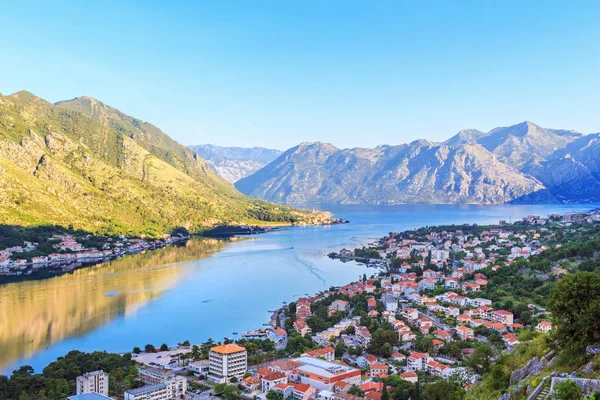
[85, 164]
[518, 144]
[419, 172]
[573, 172]
[465, 136]
[234, 163]
[526, 142]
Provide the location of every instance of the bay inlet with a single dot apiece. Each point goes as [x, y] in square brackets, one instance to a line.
[208, 288]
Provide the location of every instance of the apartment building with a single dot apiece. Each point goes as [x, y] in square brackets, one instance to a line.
[158, 391]
[227, 361]
[93, 382]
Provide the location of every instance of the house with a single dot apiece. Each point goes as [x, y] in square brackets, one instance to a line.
[371, 387]
[410, 377]
[463, 319]
[301, 327]
[544, 327]
[363, 335]
[398, 357]
[410, 314]
[451, 283]
[427, 284]
[366, 360]
[438, 369]
[371, 303]
[510, 340]
[389, 302]
[424, 324]
[442, 335]
[338, 306]
[327, 353]
[378, 370]
[250, 383]
[465, 333]
[269, 380]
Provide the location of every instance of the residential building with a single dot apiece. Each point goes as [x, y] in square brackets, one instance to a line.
[158, 391]
[327, 353]
[92, 382]
[417, 361]
[199, 368]
[544, 327]
[227, 361]
[271, 379]
[322, 374]
[410, 377]
[503, 316]
[465, 333]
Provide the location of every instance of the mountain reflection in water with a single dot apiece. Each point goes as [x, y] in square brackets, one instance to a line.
[36, 314]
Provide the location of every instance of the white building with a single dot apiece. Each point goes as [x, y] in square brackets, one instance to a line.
[226, 362]
[93, 382]
[158, 391]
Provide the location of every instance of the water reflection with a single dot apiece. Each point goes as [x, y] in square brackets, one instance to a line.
[36, 314]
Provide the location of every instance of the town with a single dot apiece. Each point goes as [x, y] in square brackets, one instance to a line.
[69, 253]
[425, 322]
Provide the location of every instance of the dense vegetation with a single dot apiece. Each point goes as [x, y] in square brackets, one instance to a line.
[57, 381]
[87, 165]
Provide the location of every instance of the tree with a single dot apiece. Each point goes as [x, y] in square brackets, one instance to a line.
[164, 347]
[186, 343]
[149, 348]
[355, 391]
[137, 350]
[568, 390]
[481, 359]
[272, 395]
[233, 379]
[575, 306]
[384, 393]
[339, 348]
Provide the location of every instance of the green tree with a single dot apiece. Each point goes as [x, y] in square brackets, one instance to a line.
[567, 390]
[384, 393]
[339, 348]
[575, 307]
[149, 348]
[273, 395]
[137, 350]
[355, 391]
[164, 347]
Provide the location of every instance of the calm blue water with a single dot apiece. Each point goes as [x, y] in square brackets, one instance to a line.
[233, 289]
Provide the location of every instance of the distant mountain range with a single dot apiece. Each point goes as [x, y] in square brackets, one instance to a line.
[520, 163]
[234, 163]
[84, 164]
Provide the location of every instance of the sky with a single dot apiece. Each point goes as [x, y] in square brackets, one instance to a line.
[277, 73]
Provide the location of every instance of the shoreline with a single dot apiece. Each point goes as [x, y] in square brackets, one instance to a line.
[47, 270]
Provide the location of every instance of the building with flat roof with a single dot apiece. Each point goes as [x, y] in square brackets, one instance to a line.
[227, 361]
[157, 391]
[322, 374]
[176, 385]
[89, 396]
[92, 382]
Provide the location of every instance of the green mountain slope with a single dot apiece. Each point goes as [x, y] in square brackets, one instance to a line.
[86, 164]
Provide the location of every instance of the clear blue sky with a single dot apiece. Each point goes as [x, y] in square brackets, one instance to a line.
[353, 73]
